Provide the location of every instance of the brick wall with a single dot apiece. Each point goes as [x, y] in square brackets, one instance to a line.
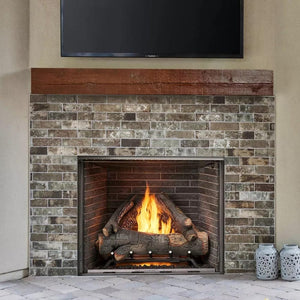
[209, 219]
[240, 129]
[94, 210]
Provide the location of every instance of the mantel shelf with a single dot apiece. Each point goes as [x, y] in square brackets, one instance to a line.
[151, 82]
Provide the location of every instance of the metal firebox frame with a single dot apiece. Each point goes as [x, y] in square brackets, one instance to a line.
[81, 269]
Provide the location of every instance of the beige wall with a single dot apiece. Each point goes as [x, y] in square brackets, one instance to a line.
[45, 43]
[287, 78]
[14, 96]
[268, 45]
[272, 30]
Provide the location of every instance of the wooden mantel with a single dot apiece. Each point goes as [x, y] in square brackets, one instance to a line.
[151, 82]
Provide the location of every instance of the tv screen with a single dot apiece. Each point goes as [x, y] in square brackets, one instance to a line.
[152, 28]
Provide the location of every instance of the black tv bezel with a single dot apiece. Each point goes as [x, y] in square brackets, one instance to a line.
[152, 55]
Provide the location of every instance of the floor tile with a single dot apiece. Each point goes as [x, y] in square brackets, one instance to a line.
[150, 287]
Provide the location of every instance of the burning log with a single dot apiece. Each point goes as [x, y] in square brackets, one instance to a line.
[124, 241]
[182, 223]
[153, 224]
[114, 221]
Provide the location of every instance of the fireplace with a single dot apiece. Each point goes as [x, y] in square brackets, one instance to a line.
[85, 121]
[109, 188]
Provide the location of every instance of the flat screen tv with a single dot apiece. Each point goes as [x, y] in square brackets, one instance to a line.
[152, 28]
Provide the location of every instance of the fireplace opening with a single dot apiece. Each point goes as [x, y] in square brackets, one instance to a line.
[147, 214]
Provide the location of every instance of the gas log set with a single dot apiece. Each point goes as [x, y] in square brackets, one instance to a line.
[151, 231]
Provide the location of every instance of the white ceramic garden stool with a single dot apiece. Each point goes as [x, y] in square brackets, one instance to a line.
[266, 262]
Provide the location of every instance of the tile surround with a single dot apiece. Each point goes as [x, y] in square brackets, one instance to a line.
[241, 129]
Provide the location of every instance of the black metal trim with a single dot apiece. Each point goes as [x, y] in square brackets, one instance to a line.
[81, 161]
[241, 29]
[61, 29]
[137, 158]
[179, 271]
[80, 245]
[221, 219]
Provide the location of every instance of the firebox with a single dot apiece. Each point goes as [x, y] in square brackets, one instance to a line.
[150, 214]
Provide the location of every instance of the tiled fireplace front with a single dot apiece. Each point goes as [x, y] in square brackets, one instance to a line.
[237, 129]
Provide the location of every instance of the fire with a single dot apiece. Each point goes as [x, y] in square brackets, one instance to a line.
[146, 264]
[149, 216]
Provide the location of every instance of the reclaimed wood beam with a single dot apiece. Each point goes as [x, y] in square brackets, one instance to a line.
[151, 82]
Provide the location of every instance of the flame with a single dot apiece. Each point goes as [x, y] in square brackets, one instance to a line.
[149, 216]
[146, 264]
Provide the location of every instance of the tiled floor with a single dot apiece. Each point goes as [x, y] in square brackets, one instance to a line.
[150, 287]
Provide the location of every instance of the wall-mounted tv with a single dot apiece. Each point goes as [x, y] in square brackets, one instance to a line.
[152, 28]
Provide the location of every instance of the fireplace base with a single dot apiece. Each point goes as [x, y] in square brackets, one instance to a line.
[238, 129]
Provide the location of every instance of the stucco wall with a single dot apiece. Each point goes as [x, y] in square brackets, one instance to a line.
[263, 19]
[271, 31]
[45, 43]
[287, 76]
[14, 99]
